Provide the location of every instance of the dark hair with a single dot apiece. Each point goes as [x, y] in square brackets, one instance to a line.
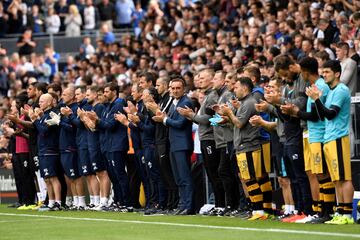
[41, 86]
[54, 96]
[334, 65]
[179, 80]
[343, 45]
[82, 88]
[93, 88]
[113, 87]
[309, 64]
[254, 72]
[149, 77]
[356, 16]
[21, 99]
[246, 82]
[323, 55]
[282, 62]
[55, 86]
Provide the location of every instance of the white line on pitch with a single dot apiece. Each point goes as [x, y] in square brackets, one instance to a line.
[273, 230]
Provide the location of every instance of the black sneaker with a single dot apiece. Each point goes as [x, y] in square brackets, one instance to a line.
[215, 211]
[56, 207]
[225, 212]
[124, 209]
[320, 220]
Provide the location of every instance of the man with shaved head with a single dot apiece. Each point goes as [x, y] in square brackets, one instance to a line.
[68, 151]
[48, 145]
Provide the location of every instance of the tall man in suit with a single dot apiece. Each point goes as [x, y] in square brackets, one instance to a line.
[181, 144]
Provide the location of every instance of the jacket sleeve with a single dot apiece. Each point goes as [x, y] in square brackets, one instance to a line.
[110, 122]
[181, 121]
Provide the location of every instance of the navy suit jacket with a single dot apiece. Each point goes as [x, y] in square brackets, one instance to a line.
[180, 128]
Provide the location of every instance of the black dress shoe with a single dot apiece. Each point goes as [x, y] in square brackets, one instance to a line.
[186, 212]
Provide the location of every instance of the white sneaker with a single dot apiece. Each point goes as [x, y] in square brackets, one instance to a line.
[307, 219]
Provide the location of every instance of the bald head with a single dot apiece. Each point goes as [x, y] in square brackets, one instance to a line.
[45, 101]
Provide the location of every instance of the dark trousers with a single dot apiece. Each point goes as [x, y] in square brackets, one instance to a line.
[116, 164]
[25, 177]
[158, 192]
[228, 177]
[162, 152]
[180, 164]
[294, 164]
[134, 179]
[141, 172]
[198, 176]
[212, 161]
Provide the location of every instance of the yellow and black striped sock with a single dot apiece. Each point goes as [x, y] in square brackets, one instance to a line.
[340, 208]
[315, 206]
[266, 189]
[348, 208]
[255, 194]
[329, 196]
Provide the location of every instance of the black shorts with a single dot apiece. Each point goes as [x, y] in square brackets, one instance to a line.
[69, 162]
[84, 162]
[48, 165]
[97, 160]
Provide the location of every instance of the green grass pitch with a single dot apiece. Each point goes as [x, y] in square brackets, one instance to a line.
[15, 224]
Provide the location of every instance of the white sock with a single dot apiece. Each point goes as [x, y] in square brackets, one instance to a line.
[292, 209]
[69, 201]
[39, 196]
[76, 201]
[51, 203]
[104, 201]
[287, 209]
[82, 201]
[96, 200]
[91, 199]
[59, 202]
[347, 215]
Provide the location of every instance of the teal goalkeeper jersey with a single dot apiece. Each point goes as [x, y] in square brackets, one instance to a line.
[317, 129]
[339, 126]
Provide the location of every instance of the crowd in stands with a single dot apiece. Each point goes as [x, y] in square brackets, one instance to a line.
[257, 81]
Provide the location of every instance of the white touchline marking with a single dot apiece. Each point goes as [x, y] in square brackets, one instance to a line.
[273, 230]
[11, 221]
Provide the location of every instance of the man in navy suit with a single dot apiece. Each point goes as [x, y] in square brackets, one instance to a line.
[181, 144]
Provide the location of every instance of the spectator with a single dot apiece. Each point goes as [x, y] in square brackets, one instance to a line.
[3, 21]
[73, 22]
[62, 10]
[15, 20]
[26, 43]
[108, 36]
[107, 13]
[348, 67]
[91, 16]
[35, 20]
[52, 58]
[124, 8]
[53, 22]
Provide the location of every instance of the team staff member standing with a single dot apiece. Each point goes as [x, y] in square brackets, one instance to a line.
[206, 135]
[69, 151]
[97, 161]
[48, 145]
[117, 145]
[336, 112]
[181, 147]
[247, 143]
